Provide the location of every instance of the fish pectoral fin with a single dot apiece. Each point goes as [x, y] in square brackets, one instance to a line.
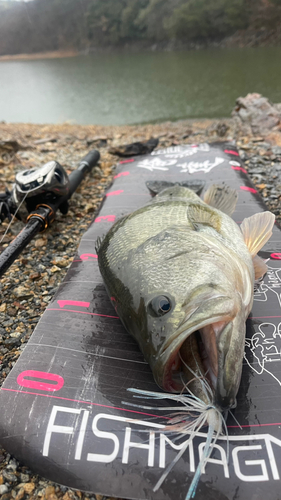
[156, 187]
[260, 267]
[200, 215]
[257, 230]
[223, 198]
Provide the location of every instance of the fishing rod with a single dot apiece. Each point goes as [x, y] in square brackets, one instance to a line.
[35, 197]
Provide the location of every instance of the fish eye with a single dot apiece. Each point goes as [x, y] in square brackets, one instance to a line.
[161, 305]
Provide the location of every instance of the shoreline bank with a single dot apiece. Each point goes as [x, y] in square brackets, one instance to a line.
[240, 40]
[40, 55]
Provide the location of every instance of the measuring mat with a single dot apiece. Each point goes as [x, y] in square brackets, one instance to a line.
[65, 409]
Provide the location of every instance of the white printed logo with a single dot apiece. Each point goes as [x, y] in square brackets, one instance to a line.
[182, 151]
[270, 283]
[79, 426]
[265, 348]
[156, 164]
[195, 166]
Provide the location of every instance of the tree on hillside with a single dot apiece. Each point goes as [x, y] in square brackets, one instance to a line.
[199, 19]
[46, 25]
[104, 20]
[151, 18]
[130, 27]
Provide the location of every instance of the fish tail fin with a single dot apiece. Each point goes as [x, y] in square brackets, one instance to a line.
[222, 197]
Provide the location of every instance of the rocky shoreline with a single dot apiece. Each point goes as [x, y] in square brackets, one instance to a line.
[32, 280]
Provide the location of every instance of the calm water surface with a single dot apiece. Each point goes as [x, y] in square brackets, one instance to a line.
[135, 88]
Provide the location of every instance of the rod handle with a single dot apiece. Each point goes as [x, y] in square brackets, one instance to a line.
[85, 166]
[90, 160]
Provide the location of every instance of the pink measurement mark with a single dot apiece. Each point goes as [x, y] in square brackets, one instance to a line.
[121, 175]
[87, 256]
[108, 218]
[231, 152]
[83, 312]
[115, 193]
[240, 168]
[78, 303]
[126, 161]
[35, 384]
[276, 256]
[246, 188]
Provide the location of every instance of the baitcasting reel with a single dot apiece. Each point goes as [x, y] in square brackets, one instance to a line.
[35, 186]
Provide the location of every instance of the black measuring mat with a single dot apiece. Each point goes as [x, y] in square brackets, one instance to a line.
[65, 408]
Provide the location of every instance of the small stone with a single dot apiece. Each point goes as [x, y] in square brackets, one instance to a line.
[3, 489]
[24, 478]
[67, 496]
[47, 299]
[34, 276]
[29, 488]
[18, 305]
[41, 242]
[16, 335]
[11, 311]
[23, 293]
[13, 464]
[50, 492]
[3, 307]
[54, 269]
[20, 494]
[9, 476]
[60, 262]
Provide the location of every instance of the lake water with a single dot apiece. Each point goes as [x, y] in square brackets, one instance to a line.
[126, 88]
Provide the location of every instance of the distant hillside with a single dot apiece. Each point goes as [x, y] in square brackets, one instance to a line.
[85, 25]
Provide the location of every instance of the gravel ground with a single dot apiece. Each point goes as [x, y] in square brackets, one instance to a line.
[32, 280]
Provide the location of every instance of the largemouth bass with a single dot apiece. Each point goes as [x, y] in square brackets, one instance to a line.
[181, 273]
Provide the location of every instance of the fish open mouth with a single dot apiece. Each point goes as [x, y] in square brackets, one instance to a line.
[209, 345]
[199, 343]
[197, 355]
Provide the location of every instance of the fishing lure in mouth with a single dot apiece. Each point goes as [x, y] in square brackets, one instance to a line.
[181, 273]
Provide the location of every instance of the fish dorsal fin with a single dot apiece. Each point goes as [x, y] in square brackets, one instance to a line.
[260, 267]
[155, 187]
[223, 198]
[201, 215]
[257, 230]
